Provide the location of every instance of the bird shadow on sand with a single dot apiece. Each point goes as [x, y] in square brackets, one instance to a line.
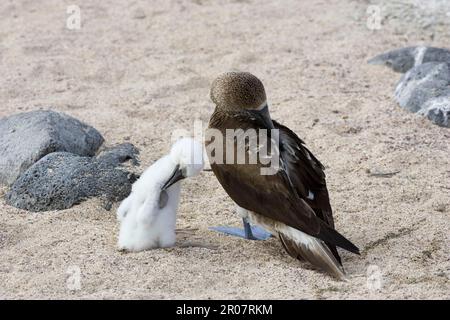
[186, 239]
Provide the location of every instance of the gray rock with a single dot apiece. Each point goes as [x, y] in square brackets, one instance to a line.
[438, 110]
[27, 137]
[402, 60]
[62, 179]
[422, 83]
[119, 154]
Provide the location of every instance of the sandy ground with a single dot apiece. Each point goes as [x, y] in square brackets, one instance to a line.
[137, 71]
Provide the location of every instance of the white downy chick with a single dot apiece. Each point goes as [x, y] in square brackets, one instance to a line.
[148, 214]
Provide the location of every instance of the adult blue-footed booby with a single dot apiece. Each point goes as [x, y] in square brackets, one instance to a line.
[292, 203]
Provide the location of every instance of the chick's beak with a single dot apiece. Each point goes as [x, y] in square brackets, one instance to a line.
[176, 176]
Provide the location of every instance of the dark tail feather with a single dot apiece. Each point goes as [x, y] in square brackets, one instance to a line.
[334, 252]
[327, 217]
[332, 237]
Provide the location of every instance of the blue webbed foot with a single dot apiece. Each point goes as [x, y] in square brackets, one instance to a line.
[249, 232]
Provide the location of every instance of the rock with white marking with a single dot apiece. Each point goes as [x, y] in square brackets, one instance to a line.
[422, 83]
[402, 60]
[425, 86]
[62, 179]
[438, 110]
[27, 137]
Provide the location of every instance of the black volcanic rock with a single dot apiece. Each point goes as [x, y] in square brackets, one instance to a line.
[62, 179]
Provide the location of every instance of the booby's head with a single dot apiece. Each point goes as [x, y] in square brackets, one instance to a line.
[241, 91]
[236, 91]
[187, 155]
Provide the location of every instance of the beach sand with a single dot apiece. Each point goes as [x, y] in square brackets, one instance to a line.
[137, 72]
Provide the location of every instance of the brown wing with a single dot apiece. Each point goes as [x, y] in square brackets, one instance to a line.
[307, 177]
[279, 196]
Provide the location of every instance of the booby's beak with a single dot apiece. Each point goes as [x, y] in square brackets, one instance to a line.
[176, 176]
[265, 115]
